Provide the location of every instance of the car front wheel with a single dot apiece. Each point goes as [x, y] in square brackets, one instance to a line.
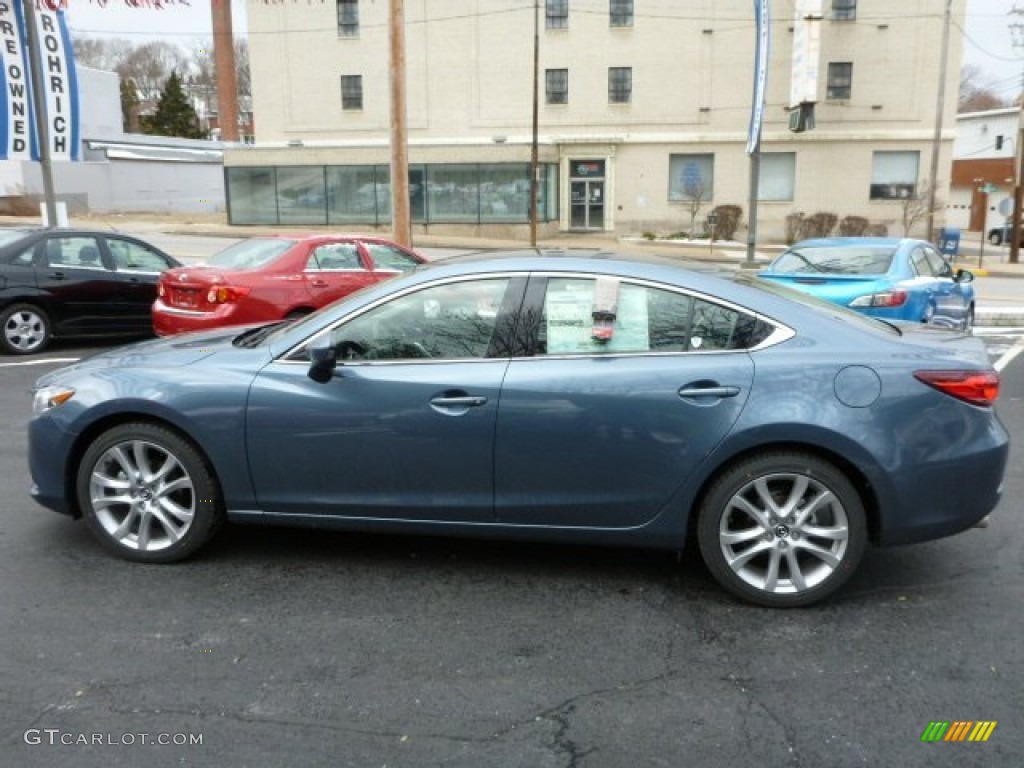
[782, 529]
[26, 329]
[147, 493]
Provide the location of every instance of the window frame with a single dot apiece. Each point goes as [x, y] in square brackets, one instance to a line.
[552, 94]
[679, 194]
[619, 92]
[349, 97]
[556, 14]
[348, 18]
[844, 10]
[887, 184]
[839, 82]
[620, 13]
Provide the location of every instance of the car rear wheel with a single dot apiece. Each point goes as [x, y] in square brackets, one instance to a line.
[26, 329]
[148, 494]
[782, 529]
[995, 238]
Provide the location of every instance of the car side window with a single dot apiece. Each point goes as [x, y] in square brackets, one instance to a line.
[335, 256]
[130, 256]
[919, 261]
[583, 316]
[25, 258]
[939, 266]
[388, 257]
[81, 252]
[448, 321]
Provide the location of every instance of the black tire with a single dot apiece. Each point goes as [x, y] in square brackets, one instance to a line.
[813, 555]
[147, 494]
[24, 329]
[969, 321]
[995, 238]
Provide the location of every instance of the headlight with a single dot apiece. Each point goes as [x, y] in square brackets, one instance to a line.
[50, 397]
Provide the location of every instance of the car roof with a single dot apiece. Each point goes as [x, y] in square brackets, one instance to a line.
[888, 242]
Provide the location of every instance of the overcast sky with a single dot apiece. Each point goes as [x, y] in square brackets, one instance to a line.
[987, 40]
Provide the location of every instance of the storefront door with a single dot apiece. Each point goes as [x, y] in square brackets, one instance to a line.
[586, 195]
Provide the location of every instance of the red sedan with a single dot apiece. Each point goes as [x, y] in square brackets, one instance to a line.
[271, 278]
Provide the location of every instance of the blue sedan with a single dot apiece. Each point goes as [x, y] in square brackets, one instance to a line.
[605, 399]
[888, 278]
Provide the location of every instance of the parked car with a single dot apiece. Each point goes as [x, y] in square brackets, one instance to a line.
[486, 397]
[61, 283]
[888, 278]
[1000, 235]
[271, 278]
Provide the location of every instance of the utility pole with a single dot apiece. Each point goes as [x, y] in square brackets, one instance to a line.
[224, 66]
[940, 105]
[401, 221]
[35, 63]
[1017, 39]
[534, 167]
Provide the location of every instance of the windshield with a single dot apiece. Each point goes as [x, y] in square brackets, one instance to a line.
[820, 305]
[836, 260]
[249, 254]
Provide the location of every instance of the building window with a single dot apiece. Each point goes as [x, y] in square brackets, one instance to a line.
[840, 80]
[556, 85]
[894, 175]
[557, 14]
[844, 10]
[620, 85]
[348, 18]
[351, 91]
[691, 177]
[776, 180]
[620, 13]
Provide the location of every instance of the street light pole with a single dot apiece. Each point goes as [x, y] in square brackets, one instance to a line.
[534, 166]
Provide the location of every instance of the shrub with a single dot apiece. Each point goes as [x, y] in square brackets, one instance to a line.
[878, 230]
[650, 236]
[853, 226]
[818, 224]
[794, 224]
[729, 217]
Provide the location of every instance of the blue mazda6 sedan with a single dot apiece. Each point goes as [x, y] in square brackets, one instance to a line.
[547, 396]
[889, 278]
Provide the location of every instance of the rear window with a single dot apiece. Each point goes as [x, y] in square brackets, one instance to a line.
[836, 260]
[250, 254]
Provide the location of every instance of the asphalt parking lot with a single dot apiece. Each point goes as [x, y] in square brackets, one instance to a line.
[281, 647]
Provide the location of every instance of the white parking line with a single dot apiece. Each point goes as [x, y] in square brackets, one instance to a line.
[43, 361]
[1009, 354]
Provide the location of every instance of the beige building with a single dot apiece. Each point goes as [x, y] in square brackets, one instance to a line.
[643, 117]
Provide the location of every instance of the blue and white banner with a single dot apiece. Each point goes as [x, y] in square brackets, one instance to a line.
[763, 19]
[18, 139]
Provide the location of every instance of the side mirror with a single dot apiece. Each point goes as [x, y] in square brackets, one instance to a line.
[963, 276]
[324, 359]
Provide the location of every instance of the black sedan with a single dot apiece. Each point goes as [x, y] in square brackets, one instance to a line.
[61, 283]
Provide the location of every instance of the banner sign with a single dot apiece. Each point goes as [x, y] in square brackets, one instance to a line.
[18, 139]
[760, 76]
[806, 53]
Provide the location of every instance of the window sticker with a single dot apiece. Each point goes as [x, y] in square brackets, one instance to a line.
[569, 307]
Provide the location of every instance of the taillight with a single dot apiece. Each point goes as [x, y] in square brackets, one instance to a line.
[975, 387]
[883, 299]
[222, 294]
[161, 291]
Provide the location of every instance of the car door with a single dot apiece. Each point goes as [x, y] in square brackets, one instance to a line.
[405, 428]
[137, 267]
[600, 433]
[949, 296]
[82, 293]
[334, 270]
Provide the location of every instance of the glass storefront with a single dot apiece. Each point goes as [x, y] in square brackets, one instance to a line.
[470, 193]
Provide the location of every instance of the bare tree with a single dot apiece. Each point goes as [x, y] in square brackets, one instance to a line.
[914, 208]
[697, 193]
[100, 53]
[149, 66]
[976, 94]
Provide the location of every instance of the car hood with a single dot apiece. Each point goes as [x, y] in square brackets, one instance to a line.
[174, 351]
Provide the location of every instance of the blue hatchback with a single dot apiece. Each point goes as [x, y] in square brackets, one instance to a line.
[888, 278]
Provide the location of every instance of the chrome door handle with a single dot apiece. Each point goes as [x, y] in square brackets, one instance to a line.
[468, 401]
[709, 391]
